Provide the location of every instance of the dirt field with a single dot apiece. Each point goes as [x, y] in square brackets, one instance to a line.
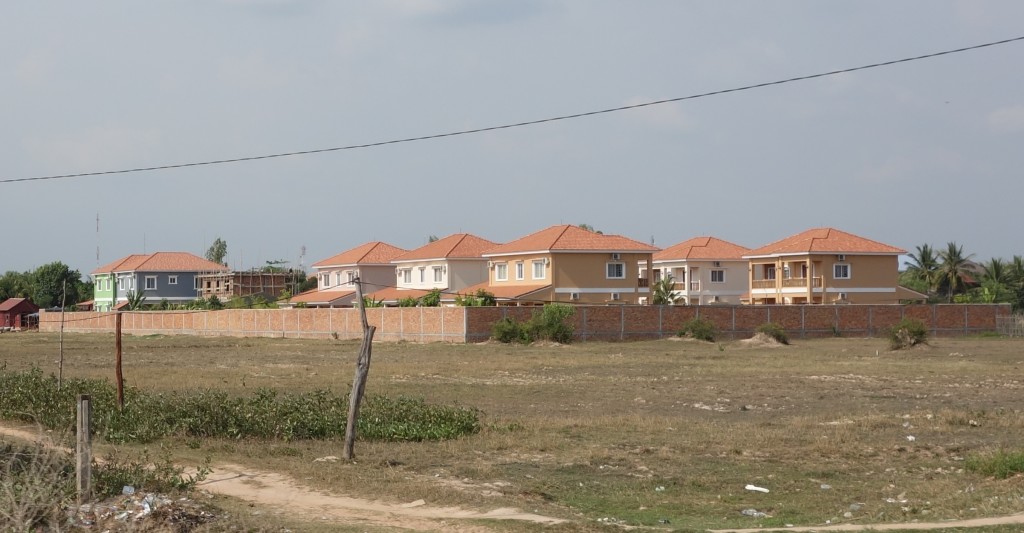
[662, 434]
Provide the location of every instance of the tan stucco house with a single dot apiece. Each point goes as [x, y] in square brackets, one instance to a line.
[825, 265]
[705, 270]
[370, 262]
[569, 264]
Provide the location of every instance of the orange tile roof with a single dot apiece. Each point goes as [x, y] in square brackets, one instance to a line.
[457, 246]
[567, 237]
[824, 241]
[161, 262]
[315, 296]
[505, 292]
[702, 248]
[371, 253]
[393, 294]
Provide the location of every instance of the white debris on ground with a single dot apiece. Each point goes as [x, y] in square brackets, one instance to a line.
[132, 510]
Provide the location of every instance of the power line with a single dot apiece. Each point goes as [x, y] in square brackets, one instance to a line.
[517, 124]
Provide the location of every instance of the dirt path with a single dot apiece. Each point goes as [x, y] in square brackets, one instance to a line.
[279, 492]
[283, 493]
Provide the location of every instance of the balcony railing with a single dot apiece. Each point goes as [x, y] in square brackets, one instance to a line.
[695, 286]
[762, 284]
[643, 282]
[786, 283]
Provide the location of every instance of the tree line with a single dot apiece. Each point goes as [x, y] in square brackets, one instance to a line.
[47, 286]
[949, 275]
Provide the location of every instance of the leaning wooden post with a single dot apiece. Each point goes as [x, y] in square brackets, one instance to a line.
[83, 448]
[117, 365]
[60, 363]
[362, 371]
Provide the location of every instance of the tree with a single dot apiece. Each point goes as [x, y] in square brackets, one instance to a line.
[431, 299]
[663, 291]
[50, 282]
[924, 266]
[136, 300]
[15, 285]
[953, 269]
[217, 251]
[588, 227]
[432, 238]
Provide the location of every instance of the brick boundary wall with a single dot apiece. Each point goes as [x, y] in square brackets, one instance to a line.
[473, 324]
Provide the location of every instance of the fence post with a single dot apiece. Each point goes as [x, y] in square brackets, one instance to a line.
[83, 449]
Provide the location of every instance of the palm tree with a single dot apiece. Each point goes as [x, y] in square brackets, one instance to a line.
[924, 266]
[662, 293]
[954, 267]
[996, 279]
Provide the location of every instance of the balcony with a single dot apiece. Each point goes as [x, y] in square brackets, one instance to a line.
[762, 284]
[643, 282]
[801, 282]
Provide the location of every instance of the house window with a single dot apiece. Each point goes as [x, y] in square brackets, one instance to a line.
[197, 283]
[615, 270]
[351, 277]
[538, 269]
[717, 276]
[769, 272]
[325, 281]
[423, 274]
[337, 278]
[150, 283]
[407, 275]
[438, 275]
[841, 271]
[172, 280]
[501, 272]
[120, 284]
[520, 270]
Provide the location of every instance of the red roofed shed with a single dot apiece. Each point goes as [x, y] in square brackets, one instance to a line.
[13, 311]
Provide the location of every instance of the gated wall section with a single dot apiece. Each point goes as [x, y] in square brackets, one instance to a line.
[473, 324]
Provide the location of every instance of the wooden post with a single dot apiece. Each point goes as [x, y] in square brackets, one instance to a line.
[117, 366]
[362, 371]
[60, 363]
[83, 448]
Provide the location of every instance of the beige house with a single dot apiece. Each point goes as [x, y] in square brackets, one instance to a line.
[705, 270]
[370, 262]
[825, 265]
[451, 264]
[569, 264]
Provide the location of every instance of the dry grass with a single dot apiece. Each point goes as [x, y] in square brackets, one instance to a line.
[639, 433]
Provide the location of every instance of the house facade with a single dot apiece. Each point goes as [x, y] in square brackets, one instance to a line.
[370, 262]
[452, 265]
[16, 314]
[705, 270]
[570, 264]
[170, 276]
[825, 266]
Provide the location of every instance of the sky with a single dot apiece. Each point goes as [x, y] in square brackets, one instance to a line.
[928, 151]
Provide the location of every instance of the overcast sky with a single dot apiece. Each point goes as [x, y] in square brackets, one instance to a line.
[923, 152]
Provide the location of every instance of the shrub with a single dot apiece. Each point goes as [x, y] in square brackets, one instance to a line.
[509, 330]
[774, 331]
[907, 333]
[431, 299]
[700, 328]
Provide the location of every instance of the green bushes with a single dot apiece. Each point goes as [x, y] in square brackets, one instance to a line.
[699, 328]
[908, 333]
[266, 414]
[1000, 465]
[775, 331]
[551, 323]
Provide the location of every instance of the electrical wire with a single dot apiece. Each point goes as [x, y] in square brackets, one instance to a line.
[516, 124]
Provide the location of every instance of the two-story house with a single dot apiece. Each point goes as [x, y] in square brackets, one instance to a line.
[825, 266]
[569, 264]
[705, 270]
[451, 264]
[370, 262]
[170, 276]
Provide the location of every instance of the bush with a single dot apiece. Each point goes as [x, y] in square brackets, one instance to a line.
[774, 331]
[700, 328]
[907, 333]
[551, 323]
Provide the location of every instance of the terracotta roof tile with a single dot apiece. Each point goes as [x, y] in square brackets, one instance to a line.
[11, 303]
[315, 296]
[824, 241]
[704, 248]
[371, 253]
[505, 292]
[567, 237]
[161, 262]
[459, 245]
[393, 294]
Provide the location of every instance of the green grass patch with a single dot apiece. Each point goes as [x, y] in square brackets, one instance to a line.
[265, 414]
[999, 465]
